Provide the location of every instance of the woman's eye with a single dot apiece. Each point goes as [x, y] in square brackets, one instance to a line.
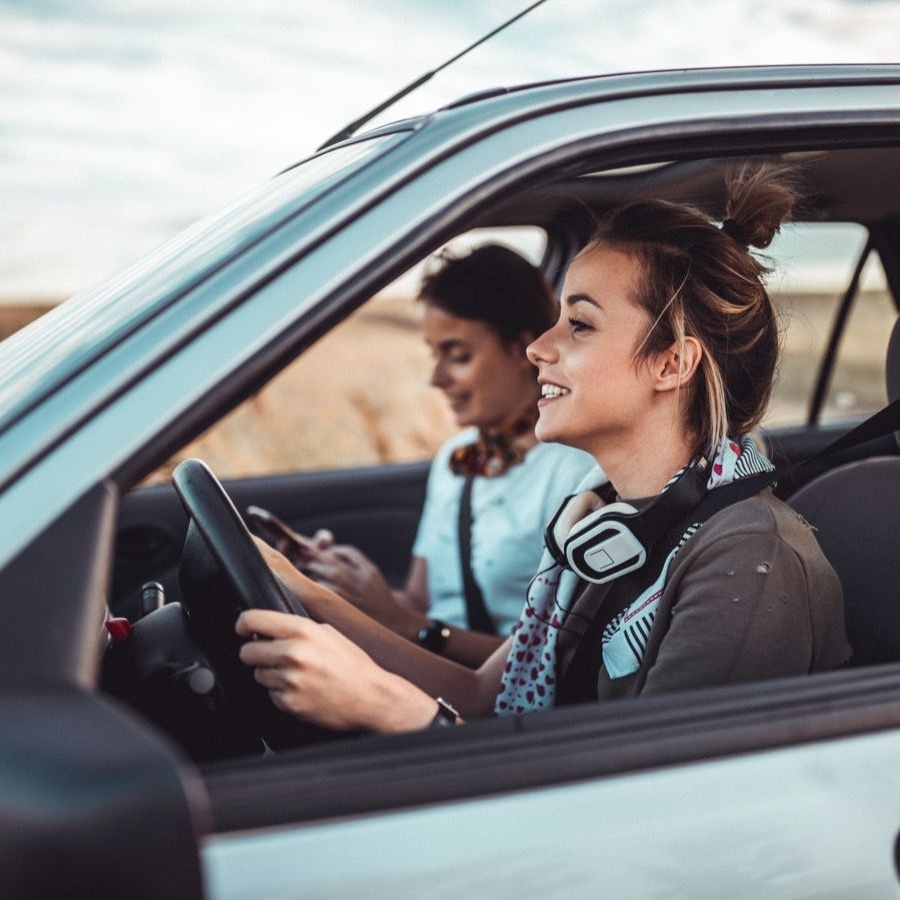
[578, 325]
[461, 359]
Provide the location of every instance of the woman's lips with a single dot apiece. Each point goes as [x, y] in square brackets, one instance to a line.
[458, 402]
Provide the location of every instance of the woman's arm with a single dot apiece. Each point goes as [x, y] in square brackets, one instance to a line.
[741, 613]
[472, 692]
[348, 572]
[414, 595]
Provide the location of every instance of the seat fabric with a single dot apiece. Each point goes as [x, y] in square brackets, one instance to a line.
[855, 511]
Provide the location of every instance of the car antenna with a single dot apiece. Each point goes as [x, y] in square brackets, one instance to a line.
[349, 130]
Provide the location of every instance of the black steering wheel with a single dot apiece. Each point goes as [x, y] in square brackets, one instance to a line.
[228, 539]
[223, 573]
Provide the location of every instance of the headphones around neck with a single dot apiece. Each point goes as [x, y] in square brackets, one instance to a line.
[617, 539]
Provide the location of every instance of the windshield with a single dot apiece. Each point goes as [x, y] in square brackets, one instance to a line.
[45, 354]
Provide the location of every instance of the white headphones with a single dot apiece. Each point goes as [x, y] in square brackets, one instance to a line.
[617, 539]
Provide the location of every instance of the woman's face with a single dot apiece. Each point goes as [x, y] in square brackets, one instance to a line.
[487, 382]
[593, 390]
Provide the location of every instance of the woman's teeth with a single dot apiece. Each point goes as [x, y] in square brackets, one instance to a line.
[553, 390]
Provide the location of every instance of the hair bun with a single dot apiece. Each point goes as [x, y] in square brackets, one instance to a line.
[734, 231]
[760, 199]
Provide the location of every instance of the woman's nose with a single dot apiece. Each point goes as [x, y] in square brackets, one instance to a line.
[541, 348]
[439, 377]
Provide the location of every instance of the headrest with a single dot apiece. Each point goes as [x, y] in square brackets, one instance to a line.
[892, 368]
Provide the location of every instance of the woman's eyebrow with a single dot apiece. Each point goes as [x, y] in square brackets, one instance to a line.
[450, 344]
[572, 299]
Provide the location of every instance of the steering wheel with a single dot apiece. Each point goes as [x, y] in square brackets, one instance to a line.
[225, 534]
[223, 573]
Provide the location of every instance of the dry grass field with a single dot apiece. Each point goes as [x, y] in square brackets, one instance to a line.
[17, 314]
[361, 397]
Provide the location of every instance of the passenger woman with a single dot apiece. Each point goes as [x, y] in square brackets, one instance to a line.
[660, 365]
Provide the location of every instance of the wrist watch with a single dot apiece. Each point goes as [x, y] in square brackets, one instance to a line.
[433, 636]
[446, 716]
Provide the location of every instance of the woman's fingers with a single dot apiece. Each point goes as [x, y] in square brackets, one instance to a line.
[309, 669]
[270, 624]
[314, 671]
[273, 557]
[350, 555]
[323, 539]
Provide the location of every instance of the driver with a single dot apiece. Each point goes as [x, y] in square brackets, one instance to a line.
[659, 366]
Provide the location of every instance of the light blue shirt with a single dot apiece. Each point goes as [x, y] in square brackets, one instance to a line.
[509, 514]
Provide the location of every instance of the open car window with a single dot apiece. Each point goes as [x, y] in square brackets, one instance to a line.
[359, 384]
[814, 265]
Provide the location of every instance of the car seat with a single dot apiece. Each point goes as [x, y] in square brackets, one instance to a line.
[855, 511]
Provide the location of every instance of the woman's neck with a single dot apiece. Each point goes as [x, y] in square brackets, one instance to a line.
[641, 469]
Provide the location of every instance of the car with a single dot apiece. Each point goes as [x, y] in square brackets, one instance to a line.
[116, 782]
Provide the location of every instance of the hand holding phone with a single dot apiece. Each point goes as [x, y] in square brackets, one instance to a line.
[298, 549]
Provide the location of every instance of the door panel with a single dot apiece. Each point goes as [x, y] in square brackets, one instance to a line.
[376, 509]
[809, 821]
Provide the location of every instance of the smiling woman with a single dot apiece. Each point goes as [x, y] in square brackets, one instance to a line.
[590, 397]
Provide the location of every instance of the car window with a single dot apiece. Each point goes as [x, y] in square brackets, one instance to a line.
[813, 265]
[347, 401]
[857, 385]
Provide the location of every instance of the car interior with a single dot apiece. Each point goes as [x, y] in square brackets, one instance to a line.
[178, 669]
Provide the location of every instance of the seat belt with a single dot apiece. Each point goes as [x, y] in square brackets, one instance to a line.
[477, 616]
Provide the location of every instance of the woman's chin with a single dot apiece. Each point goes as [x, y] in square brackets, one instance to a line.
[545, 434]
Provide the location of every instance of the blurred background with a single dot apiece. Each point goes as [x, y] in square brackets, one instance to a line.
[123, 123]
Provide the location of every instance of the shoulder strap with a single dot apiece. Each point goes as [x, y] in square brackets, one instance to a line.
[477, 615]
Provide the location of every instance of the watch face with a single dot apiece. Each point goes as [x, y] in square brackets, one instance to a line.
[433, 636]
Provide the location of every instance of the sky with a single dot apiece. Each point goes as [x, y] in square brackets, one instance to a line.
[122, 122]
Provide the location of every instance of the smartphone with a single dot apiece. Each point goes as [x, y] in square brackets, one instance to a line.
[298, 549]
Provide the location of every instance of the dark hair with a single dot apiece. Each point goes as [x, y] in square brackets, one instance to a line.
[699, 279]
[494, 285]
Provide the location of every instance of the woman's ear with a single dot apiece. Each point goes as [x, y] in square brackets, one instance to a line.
[675, 366]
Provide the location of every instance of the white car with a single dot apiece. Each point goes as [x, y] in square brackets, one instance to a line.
[118, 779]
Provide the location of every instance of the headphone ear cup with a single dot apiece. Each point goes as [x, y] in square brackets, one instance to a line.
[602, 547]
[555, 532]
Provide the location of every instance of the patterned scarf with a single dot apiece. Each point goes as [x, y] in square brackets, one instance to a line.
[494, 452]
[529, 677]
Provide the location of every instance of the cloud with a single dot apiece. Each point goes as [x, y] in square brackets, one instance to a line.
[122, 121]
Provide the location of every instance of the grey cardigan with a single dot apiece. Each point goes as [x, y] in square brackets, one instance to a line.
[749, 596]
